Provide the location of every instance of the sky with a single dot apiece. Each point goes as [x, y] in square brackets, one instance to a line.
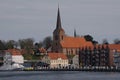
[21, 19]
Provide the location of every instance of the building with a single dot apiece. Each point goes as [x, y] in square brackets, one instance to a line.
[66, 44]
[116, 59]
[75, 61]
[97, 56]
[56, 60]
[16, 56]
[91, 55]
[12, 59]
[115, 55]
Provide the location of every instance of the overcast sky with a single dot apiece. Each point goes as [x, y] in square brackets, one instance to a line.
[37, 18]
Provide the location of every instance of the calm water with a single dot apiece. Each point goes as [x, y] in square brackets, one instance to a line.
[61, 75]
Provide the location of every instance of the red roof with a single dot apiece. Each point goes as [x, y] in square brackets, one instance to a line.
[75, 42]
[114, 46]
[14, 51]
[43, 50]
[111, 46]
[57, 55]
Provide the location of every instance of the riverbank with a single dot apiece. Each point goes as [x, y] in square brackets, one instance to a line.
[88, 70]
[84, 70]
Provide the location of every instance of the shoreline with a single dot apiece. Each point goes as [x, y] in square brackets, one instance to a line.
[83, 70]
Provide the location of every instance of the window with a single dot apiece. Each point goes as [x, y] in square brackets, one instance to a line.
[71, 51]
[62, 37]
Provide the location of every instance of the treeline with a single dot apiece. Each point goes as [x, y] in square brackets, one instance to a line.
[104, 41]
[28, 43]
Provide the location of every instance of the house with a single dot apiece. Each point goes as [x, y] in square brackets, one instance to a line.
[56, 60]
[12, 59]
[16, 56]
[67, 44]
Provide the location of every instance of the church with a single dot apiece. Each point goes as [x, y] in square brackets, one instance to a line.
[63, 43]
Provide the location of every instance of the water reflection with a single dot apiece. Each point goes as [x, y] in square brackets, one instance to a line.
[59, 75]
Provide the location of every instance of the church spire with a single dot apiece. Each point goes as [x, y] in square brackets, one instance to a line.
[58, 24]
[75, 35]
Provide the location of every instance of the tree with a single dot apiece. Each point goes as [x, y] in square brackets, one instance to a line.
[105, 41]
[10, 44]
[47, 42]
[95, 42]
[88, 38]
[21, 43]
[117, 41]
[2, 45]
[27, 44]
[38, 45]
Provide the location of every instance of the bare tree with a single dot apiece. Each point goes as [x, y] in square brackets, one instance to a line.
[11, 44]
[26, 43]
[117, 41]
[2, 45]
[47, 42]
[105, 41]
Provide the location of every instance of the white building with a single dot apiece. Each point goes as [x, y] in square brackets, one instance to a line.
[56, 60]
[75, 61]
[12, 59]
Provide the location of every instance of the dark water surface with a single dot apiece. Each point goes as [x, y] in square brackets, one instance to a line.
[58, 75]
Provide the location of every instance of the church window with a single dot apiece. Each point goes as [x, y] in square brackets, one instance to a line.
[62, 37]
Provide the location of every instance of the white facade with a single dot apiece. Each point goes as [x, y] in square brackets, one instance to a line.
[56, 63]
[12, 61]
[9, 58]
[18, 59]
[75, 61]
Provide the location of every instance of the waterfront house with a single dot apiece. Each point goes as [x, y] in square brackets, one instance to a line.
[56, 60]
[13, 59]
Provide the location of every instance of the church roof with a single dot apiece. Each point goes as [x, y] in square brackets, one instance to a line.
[75, 42]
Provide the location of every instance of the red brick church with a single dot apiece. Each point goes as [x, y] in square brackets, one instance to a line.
[67, 44]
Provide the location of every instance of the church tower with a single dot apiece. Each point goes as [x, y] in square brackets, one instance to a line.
[58, 34]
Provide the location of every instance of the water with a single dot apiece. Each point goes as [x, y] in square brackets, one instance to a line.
[59, 75]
